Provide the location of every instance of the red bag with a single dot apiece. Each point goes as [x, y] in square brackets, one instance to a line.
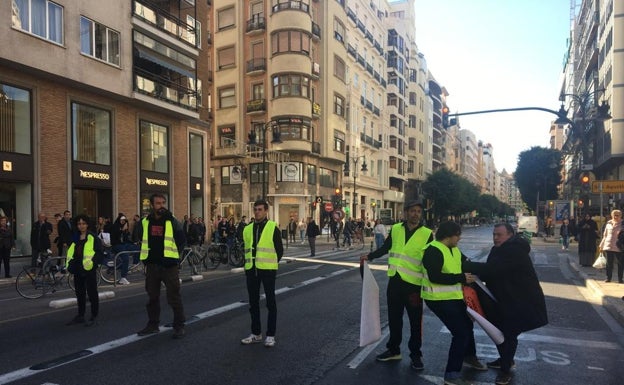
[472, 300]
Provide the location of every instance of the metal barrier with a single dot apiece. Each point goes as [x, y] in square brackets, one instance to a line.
[114, 257]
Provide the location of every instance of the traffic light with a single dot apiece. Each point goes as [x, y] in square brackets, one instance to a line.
[580, 203]
[337, 201]
[585, 182]
[445, 116]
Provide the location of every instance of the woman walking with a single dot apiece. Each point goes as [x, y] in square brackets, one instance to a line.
[608, 245]
[7, 243]
[83, 256]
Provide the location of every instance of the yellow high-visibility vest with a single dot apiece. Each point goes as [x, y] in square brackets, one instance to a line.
[170, 247]
[266, 257]
[452, 265]
[87, 253]
[406, 258]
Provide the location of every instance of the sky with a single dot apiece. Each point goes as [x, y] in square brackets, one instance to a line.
[492, 54]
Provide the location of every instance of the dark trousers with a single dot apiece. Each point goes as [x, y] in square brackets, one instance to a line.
[154, 275]
[453, 315]
[33, 257]
[614, 255]
[312, 242]
[5, 255]
[507, 350]
[266, 278]
[403, 296]
[87, 285]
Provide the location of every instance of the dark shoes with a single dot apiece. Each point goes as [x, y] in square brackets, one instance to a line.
[503, 378]
[149, 329]
[76, 320]
[473, 362]
[388, 355]
[91, 322]
[417, 363]
[496, 364]
[179, 333]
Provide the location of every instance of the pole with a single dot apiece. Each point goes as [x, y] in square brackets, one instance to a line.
[264, 170]
[353, 214]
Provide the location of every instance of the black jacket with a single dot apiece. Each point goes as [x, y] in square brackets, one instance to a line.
[312, 230]
[510, 276]
[40, 236]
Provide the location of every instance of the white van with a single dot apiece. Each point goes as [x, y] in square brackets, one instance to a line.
[528, 224]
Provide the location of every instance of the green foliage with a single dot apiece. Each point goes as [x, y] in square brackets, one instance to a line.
[538, 169]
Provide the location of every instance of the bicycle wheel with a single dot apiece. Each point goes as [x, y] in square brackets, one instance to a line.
[237, 256]
[31, 282]
[213, 258]
[107, 270]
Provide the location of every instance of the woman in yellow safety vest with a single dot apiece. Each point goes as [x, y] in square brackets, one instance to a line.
[443, 294]
[83, 256]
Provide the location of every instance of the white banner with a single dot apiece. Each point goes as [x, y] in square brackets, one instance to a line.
[370, 323]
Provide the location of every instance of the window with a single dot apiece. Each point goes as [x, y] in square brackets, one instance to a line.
[339, 105]
[339, 141]
[99, 41]
[227, 136]
[225, 18]
[290, 42]
[340, 69]
[196, 155]
[311, 174]
[291, 85]
[39, 17]
[226, 57]
[227, 97]
[412, 144]
[256, 172]
[296, 129]
[154, 147]
[339, 31]
[328, 178]
[15, 119]
[225, 175]
[91, 132]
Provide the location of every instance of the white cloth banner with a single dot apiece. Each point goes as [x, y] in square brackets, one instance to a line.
[492, 331]
[370, 323]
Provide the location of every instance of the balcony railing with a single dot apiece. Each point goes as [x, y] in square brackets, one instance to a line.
[351, 51]
[351, 15]
[160, 88]
[256, 23]
[295, 5]
[256, 65]
[316, 69]
[360, 59]
[256, 105]
[361, 26]
[316, 30]
[316, 109]
[165, 21]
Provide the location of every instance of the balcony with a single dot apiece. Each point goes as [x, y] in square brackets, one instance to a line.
[165, 22]
[256, 66]
[368, 34]
[351, 15]
[368, 140]
[161, 88]
[376, 111]
[316, 110]
[369, 105]
[351, 51]
[361, 27]
[294, 5]
[369, 68]
[255, 25]
[316, 31]
[378, 47]
[361, 61]
[316, 70]
[256, 106]
[316, 148]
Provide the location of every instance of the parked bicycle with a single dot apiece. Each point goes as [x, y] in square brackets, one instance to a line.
[193, 257]
[48, 276]
[110, 271]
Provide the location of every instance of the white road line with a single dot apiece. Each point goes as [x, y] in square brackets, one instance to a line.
[27, 372]
[361, 356]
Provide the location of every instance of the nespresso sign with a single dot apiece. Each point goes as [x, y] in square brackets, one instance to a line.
[156, 182]
[93, 175]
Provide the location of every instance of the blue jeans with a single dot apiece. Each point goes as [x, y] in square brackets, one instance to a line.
[379, 239]
[125, 257]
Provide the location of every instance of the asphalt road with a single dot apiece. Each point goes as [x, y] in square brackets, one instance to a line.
[317, 337]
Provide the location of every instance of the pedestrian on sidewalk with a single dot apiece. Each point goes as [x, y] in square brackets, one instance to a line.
[564, 233]
[313, 231]
[443, 294]
[84, 255]
[163, 239]
[587, 240]
[7, 243]
[263, 251]
[302, 229]
[520, 304]
[608, 245]
[380, 233]
[404, 246]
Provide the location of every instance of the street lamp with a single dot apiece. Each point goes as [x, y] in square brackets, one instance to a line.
[253, 140]
[355, 159]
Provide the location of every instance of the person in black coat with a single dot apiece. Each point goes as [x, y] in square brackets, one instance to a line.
[520, 306]
[312, 230]
[587, 236]
[40, 237]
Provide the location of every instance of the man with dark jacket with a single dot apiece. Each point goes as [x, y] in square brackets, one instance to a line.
[65, 232]
[313, 231]
[40, 237]
[520, 306]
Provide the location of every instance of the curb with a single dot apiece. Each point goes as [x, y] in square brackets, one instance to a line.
[192, 278]
[65, 302]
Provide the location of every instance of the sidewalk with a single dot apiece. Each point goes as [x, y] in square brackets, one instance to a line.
[610, 294]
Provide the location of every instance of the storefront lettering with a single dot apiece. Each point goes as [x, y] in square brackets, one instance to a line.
[94, 175]
[159, 182]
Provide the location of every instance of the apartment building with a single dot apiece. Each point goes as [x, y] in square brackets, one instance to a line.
[101, 105]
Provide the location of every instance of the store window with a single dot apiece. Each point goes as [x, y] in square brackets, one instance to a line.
[91, 133]
[15, 120]
[311, 174]
[154, 146]
[196, 155]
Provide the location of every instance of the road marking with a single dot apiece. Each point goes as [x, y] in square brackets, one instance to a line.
[440, 380]
[89, 352]
[361, 356]
[540, 259]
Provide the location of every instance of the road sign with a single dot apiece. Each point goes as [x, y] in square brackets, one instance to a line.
[329, 207]
[587, 167]
[338, 215]
[608, 186]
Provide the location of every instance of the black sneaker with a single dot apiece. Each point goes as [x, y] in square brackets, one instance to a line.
[388, 355]
[417, 363]
[473, 362]
[178, 333]
[76, 320]
[503, 378]
[496, 364]
[91, 322]
[149, 329]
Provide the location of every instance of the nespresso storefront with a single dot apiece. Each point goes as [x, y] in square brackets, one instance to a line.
[153, 182]
[92, 192]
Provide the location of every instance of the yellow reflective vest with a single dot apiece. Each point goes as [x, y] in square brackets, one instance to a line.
[87, 254]
[266, 257]
[406, 258]
[452, 265]
[170, 247]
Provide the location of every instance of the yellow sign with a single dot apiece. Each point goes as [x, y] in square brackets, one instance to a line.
[608, 186]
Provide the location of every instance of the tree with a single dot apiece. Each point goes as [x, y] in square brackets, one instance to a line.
[538, 174]
[451, 194]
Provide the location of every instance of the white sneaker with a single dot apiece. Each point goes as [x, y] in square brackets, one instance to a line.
[123, 281]
[269, 342]
[252, 339]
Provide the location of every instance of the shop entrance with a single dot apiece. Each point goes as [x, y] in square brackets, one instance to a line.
[93, 202]
[16, 205]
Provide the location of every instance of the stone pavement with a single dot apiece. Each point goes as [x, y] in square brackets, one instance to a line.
[610, 294]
